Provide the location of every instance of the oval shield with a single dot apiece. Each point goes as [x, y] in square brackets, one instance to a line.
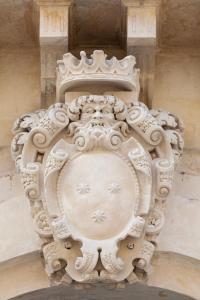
[98, 192]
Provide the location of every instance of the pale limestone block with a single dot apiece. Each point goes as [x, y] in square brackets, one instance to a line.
[141, 23]
[17, 234]
[182, 214]
[29, 282]
[141, 26]
[48, 58]
[26, 274]
[53, 37]
[54, 25]
[176, 272]
[53, 29]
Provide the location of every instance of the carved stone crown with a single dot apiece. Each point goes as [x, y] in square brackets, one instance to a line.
[72, 72]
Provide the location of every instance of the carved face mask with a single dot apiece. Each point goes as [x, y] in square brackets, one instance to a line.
[98, 114]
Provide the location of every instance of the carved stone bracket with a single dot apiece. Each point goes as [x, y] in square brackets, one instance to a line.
[142, 31]
[141, 22]
[53, 34]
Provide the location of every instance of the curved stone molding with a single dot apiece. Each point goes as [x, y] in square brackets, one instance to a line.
[99, 173]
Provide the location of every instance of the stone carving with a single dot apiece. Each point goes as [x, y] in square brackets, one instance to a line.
[174, 129]
[83, 188]
[114, 188]
[96, 69]
[97, 173]
[99, 216]
[42, 225]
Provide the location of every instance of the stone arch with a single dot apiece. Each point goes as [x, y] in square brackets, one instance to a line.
[174, 277]
[136, 291]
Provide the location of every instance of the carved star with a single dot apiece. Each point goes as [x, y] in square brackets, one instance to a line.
[114, 188]
[83, 188]
[98, 216]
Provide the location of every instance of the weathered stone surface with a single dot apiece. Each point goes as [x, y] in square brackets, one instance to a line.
[104, 292]
[182, 215]
[179, 22]
[17, 27]
[21, 68]
[141, 22]
[176, 89]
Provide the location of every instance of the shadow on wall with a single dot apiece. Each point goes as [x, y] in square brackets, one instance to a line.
[106, 292]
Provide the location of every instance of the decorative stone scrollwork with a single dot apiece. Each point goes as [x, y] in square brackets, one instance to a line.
[52, 123]
[42, 225]
[60, 228]
[145, 255]
[21, 128]
[165, 170]
[30, 180]
[97, 192]
[137, 227]
[141, 120]
[155, 222]
[174, 129]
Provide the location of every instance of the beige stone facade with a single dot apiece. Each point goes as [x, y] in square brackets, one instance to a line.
[164, 37]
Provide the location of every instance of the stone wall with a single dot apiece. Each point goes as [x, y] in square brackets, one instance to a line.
[177, 89]
[19, 87]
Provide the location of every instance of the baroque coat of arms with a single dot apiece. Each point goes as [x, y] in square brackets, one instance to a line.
[97, 172]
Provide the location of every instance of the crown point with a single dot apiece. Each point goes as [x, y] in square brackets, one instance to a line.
[82, 54]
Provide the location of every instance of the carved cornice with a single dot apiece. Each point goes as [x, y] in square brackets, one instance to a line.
[140, 3]
[53, 2]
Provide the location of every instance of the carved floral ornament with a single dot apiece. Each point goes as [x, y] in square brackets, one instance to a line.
[97, 173]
